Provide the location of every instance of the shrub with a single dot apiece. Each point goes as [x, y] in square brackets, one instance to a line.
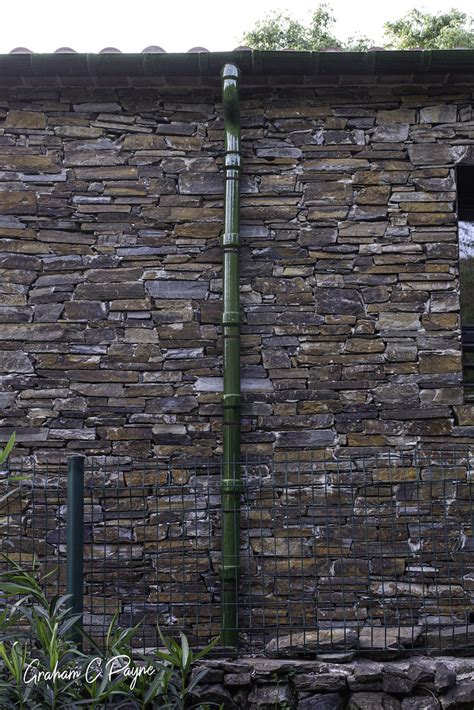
[42, 665]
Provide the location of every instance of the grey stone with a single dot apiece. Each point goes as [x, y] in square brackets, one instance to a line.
[461, 696]
[310, 641]
[85, 311]
[236, 679]
[435, 154]
[426, 702]
[396, 682]
[395, 321]
[327, 701]
[365, 672]
[320, 682]
[338, 300]
[361, 213]
[454, 637]
[163, 289]
[108, 291]
[441, 113]
[396, 393]
[373, 701]
[48, 312]
[172, 404]
[215, 384]
[211, 184]
[15, 361]
[445, 677]
[389, 638]
[391, 132]
[317, 238]
[271, 695]
[304, 439]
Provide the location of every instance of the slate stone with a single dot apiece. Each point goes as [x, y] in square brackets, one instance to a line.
[434, 154]
[320, 682]
[322, 640]
[111, 306]
[338, 300]
[389, 637]
[461, 696]
[271, 694]
[373, 701]
[397, 683]
[450, 638]
[441, 113]
[305, 439]
[17, 202]
[326, 701]
[25, 119]
[426, 702]
[445, 677]
[85, 311]
[391, 132]
[15, 361]
[164, 289]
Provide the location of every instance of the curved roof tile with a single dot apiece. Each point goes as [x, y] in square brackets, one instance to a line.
[153, 49]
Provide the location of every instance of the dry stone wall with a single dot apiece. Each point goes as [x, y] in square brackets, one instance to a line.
[417, 684]
[111, 205]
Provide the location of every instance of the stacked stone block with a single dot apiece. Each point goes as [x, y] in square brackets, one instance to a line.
[111, 204]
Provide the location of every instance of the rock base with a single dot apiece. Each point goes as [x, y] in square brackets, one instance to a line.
[417, 683]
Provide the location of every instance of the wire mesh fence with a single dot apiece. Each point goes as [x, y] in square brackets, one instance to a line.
[373, 551]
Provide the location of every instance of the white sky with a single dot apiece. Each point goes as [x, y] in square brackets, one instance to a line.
[91, 25]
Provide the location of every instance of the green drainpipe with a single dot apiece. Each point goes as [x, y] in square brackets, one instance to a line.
[231, 483]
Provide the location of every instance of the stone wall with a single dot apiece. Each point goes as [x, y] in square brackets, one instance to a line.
[352, 556]
[418, 683]
[111, 209]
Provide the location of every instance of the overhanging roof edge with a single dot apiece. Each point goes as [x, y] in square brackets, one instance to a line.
[251, 62]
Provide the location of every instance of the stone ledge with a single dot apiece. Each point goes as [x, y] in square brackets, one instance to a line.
[417, 683]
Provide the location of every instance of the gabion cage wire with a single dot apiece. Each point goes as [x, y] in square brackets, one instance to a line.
[359, 552]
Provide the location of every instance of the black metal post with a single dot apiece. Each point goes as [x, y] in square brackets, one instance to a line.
[75, 537]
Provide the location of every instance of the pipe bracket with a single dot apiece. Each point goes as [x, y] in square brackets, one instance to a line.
[229, 572]
[231, 240]
[232, 161]
[231, 400]
[232, 486]
[231, 318]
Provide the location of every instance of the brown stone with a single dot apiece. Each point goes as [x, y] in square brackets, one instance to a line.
[29, 164]
[440, 362]
[143, 141]
[25, 119]
[16, 202]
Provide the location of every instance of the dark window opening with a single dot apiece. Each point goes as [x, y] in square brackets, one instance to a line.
[465, 185]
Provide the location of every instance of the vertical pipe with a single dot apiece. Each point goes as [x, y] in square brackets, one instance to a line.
[231, 483]
[75, 536]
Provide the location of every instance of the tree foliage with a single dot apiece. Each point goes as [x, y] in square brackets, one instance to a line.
[445, 30]
[279, 30]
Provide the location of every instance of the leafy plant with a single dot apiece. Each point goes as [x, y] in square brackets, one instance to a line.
[180, 658]
[279, 30]
[43, 666]
[416, 29]
[5, 453]
[444, 30]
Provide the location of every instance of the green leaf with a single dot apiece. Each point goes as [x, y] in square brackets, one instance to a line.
[156, 687]
[4, 453]
[185, 652]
